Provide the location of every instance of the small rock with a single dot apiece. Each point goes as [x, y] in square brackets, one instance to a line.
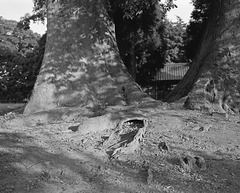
[190, 163]
[73, 128]
[10, 116]
[204, 128]
[196, 128]
[163, 146]
[45, 175]
[200, 162]
[184, 137]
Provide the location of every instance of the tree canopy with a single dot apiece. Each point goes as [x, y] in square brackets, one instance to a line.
[140, 37]
[197, 25]
[175, 37]
[19, 61]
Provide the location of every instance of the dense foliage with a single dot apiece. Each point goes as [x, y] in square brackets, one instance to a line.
[16, 40]
[197, 25]
[19, 61]
[175, 37]
[140, 36]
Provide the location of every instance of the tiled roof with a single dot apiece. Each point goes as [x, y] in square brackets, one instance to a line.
[172, 71]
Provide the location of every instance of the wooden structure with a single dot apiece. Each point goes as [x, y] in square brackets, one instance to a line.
[166, 79]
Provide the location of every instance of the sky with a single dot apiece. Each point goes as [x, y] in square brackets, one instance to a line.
[15, 9]
[183, 10]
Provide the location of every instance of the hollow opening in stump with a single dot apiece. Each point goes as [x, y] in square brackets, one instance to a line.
[127, 138]
[129, 130]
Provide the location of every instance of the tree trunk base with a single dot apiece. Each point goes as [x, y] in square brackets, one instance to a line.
[208, 97]
[125, 125]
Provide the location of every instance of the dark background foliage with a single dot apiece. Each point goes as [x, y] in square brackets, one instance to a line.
[21, 53]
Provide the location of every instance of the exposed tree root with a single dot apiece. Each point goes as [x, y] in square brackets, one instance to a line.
[127, 126]
[126, 139]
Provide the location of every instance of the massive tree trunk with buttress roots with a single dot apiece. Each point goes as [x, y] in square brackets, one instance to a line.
[81, 65]
[82, 74]
[213, 81]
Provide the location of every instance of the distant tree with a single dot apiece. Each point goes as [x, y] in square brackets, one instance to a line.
[16, 46]
[195, 29]
[151, 55]
[138, 34]
[10, 74]
[15, 39]
[175, 37]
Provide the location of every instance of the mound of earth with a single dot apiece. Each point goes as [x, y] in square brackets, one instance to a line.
[181, 151]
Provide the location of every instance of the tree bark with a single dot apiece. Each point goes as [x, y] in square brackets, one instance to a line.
[81, 65]
[213, 80]
[82, 78]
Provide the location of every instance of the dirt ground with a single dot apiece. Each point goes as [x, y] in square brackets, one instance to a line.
[52, 159]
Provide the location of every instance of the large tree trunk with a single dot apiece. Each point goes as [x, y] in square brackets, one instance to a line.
[213, 81]
[82, 78]
[81, 65]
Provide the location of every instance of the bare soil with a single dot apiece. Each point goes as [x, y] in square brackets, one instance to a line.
[52, 158]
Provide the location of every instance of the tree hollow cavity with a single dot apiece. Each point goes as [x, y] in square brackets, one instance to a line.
[127, 138]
